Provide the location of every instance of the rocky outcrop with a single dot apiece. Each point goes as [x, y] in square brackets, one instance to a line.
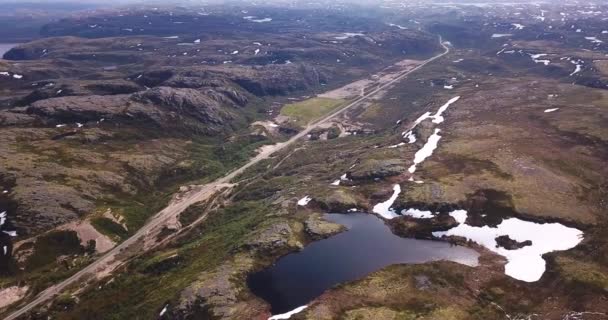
[409, 227]
[510, 244]
[185, 102]
[317, 228]
[280, 79]
[77, 108]
[161, 106]
[337, 201]
[278, 237]
[371, 169]
[220, 294]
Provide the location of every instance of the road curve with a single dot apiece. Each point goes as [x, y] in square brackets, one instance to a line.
[205, 192]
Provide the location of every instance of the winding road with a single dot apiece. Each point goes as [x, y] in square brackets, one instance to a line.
[109, 259]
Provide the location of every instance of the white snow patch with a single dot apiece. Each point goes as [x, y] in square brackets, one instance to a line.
[418, 214]
[336, 183]
[594, 39]
[384, 208]
[535, 58]
[411, 138]
[304, 201]
[347, 35]
[501, 35]
[396, 145]
[551, 110]
[2, 217]
[426, 151]
[437, 117]
[518, 26]
[398, 26]
[526, 263]
[162, 312]
[578, 68]
[288, 314]
[254, 19]
[17, 76]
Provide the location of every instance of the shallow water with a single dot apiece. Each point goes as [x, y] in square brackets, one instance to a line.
[367, 246]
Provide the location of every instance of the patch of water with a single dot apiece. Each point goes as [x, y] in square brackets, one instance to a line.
[367, 246]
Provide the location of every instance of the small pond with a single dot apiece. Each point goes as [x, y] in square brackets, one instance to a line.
[367, 246]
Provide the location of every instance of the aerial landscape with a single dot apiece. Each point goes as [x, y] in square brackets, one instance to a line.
[350, 159]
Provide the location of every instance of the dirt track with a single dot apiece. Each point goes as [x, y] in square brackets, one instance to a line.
[108, 261]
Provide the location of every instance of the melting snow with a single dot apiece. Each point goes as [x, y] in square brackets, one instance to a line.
[411, 138]
[525, 263]
[418, 214]
[398, 26]
[254, 19]
[551, 110]
[2, 217]
[162, 312]
[347, 35]
[518, 26]
[288, 314]
[304, 201]
[384, 208]
[594, 39]
[426, 151]
[579, 67]
[396, 145]
[501, 35]
[437, 117]
[535, 58]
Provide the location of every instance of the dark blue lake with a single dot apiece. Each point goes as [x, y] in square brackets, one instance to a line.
[367, 246]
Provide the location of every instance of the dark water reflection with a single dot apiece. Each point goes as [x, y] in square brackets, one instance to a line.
[367, 246]
[4, 48]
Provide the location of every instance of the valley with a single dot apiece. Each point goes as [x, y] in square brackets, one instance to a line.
[207, 162]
